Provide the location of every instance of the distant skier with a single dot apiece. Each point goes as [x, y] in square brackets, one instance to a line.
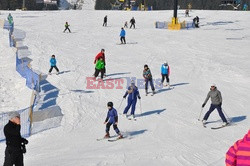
[10, 19]
[53, 64]
[132, 22]
[100, 65]
[125, 24]
[239, 153]
[148, 78]
[165, 72]
[187, 13]
[67, 27]
[122, 36]
[101, 55]
[196, 22]
[216, 100]
[133, 94]
[105, 21]
[112, 119]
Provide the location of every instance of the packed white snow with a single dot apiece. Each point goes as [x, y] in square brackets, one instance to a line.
[167, 132]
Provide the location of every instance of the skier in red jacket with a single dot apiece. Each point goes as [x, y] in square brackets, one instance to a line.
[101, 55]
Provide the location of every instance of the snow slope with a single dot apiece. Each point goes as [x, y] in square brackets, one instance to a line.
[167, 132]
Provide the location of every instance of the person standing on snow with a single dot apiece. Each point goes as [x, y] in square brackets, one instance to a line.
[67, 27]
[132, 22]
[122, 36]
[216, 100]
[10, 19]
[125, 24]
[53, 64]
[148, 78]
[99, 68]
[14, 141]
[101, 55]
[133, 94]
[112, 119]
[239, 153]
[165, 72]
[105, 20]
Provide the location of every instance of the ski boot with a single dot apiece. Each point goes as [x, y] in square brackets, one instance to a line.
[120, 136]
[146, 92]
[107, 135]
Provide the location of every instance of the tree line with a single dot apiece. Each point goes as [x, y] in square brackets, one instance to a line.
[168, 4]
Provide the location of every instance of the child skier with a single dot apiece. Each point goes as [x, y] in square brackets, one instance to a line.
[216, 103]
[122, 35]
[53, 64]
[148, 78]
[99, 68]
[101, 55]
[112, 119]
[132, 93]
[67, 27]
[125, 24]
[165, 72]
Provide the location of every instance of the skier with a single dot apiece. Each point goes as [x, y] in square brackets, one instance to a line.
[148, 78]
[239, 153]
[100, 65]
[165, 72]
[105, 21]
[15, 143]
[112, 119]
[122, 35]
[132, 93]
[216, 100]
[53, 64]
[196, 22]
[67, 27]
[125, 24]
[132, 21]
[187, 13]
[101, 55]
[10, 19]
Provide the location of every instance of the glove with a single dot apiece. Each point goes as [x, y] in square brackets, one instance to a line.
[124, 97]
[139, 97]
[220, 104]
[203, 105]
[25, 141]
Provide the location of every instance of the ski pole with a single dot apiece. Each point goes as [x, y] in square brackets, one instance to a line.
[200, 114]
[226, 114]
[120, 104]
[140, 106]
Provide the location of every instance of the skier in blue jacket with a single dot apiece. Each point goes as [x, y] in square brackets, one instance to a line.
[112, 119]
[165, 72]
[122, 35]
[53, 64]
[133, 94]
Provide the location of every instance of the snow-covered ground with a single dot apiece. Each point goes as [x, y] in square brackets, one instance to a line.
[167, 132]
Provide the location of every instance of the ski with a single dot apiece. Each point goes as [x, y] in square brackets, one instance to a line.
[219, 127]
[116, 139]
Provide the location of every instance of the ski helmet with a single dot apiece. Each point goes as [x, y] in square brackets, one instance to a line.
[103, 50]
[146, 66]
[110, 104]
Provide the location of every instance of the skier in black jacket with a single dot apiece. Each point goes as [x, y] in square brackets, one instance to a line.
[132, 21]
[15, 143]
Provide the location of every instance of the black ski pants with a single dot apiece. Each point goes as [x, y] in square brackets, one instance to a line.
[163, 78]
[13, 156]
[51, 68]
[67, 29]
[114, 126]
[97, 71]
[132, 25]
[123, 40]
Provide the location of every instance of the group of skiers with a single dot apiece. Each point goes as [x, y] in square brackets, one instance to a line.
[132, 22]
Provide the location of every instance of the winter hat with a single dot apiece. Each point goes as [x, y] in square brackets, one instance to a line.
[103, 49]
[110, 104]
[213, 84]
[14, 114]
[132, 82]
[145, 66]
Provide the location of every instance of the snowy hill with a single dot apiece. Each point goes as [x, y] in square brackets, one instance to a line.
[167, 131]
